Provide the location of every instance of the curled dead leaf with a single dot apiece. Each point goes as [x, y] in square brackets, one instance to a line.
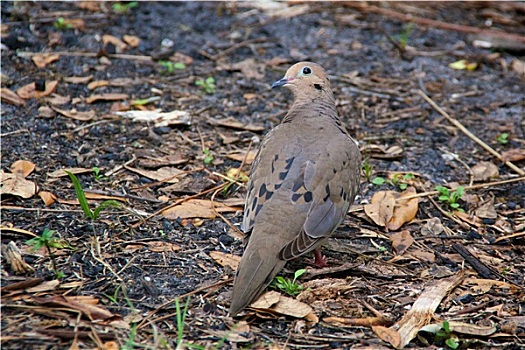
[8, 96]
[484, 171]
[225, 259]
[48, 197]
[381, 208]
[29, 91]
[41, 60]
[401, 241]
[405, 210]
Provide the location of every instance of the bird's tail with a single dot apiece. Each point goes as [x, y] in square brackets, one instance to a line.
[257, 269]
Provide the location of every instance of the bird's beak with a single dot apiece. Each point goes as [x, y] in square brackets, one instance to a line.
[280, 82]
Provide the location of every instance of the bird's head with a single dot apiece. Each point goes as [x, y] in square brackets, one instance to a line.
[304, 76]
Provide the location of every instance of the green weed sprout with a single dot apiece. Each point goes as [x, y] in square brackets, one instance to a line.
[90, 214]
[451, 198]
[207, 85]
[61, 24]
[47, 240]
[503, 138]
[291, 288]
[124, 8]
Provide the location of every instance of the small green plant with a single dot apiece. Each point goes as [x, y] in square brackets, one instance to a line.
[446, 334]
[378, 180]
[503, 138]
[398, 180]
[451, 197]
[81, 196]
[48, 240]
[368, 169]
[382, 249]
[208, 156]
[124, 8]
[291, 288]
[61, 24]
[208, 85]
[180, 318]
[404, 35]
[98, 175]
[171, 66]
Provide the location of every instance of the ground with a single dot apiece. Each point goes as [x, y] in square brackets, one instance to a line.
[70, 71]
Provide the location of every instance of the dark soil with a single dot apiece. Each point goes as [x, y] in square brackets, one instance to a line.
[377, 64]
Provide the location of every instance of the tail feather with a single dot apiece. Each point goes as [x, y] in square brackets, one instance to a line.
[256, 271]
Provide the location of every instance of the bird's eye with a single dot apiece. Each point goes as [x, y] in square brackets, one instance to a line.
[307, 70]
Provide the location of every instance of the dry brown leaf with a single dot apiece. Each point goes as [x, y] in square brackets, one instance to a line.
[110, 39]
[161, 247]
[93, 6]
[48, 197]
[165, 174]
[518, 66]
[107, 97]
[29, 91]
[462, 328]
[22, 167]
[74, 114]
[62, 172]
[432, 227]
[41, 60]
[484, 171]
[513, 155]
[78, 80]
[266, 300]
[97, 83]
[93, 312]
[404, 210]
[401, 241]
[8, 96]
[196, 208]
[381, 208]
[487, 210]
[15, 184]
[387, 335]
[58, 100]
[225, 259]
[250, 68]
[160, 119]
[131, 40]
[241, 155]
[233, 123]
[46, 286]
[424, 256]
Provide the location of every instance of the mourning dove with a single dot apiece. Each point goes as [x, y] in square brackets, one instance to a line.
[302, 183]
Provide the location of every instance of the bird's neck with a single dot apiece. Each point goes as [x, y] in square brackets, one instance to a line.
[312, 107]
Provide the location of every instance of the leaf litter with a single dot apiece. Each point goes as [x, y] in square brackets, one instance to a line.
[132, 260]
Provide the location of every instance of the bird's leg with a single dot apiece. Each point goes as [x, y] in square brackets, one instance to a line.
[319, 258]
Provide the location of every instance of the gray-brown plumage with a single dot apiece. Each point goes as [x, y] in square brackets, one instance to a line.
[302, 183]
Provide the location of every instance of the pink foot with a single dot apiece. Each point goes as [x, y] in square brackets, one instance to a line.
[320, 259]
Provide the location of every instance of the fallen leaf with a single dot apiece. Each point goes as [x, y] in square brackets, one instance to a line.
[513, 155]
[463, 65]
[387, 335]
[48, 197]
[131, 40]
[225, 259]
[381, 208]
[249, 68]
[233, 123]
[241, 155]
[165, 174]
[15, 184]
[487, 210]
[266, 300]
[78, 80]
[462, 328]
[518, 66]
[107, 97]
[8, 96]
[76, 115]
[62, 172]
[161, 247]
[110, 39]
[433, 227]
[160, 119]
[23, 167]
[58, 100]
[197, 208]
[401, 241]
[97, 83]
[41, 60]
[484, 171]
[404, 210]
[29, 91]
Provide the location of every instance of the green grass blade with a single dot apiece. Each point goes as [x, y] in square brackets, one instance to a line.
[80, 195]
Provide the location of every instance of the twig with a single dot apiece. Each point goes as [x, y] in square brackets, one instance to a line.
[460, 126]
[89, 54]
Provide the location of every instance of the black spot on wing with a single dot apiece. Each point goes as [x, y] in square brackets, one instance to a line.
[289, 162]
[296, 196]
[308, 197]
[298, 184]
[262, 190]
[269, 195]
[282, 175]
[254, 203]
[259, 207]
